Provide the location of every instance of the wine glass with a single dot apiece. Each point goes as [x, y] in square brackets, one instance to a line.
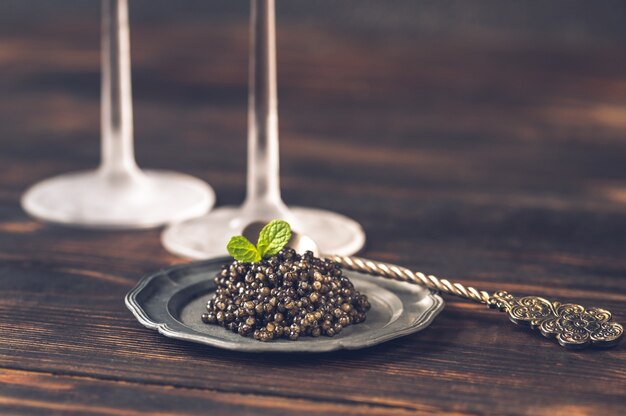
[117, 194]
[207, 236]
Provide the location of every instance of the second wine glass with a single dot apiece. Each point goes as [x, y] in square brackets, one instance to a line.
[207, 236]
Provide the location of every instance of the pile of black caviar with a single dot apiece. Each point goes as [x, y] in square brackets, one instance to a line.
[285, 296]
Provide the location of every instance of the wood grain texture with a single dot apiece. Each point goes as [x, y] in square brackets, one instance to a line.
[62, 394]
[500, 164]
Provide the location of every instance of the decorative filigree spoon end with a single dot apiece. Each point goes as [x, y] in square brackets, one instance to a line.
[573, 326]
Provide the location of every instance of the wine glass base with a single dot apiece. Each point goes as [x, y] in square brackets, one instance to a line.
[95, 200]
[206, 237]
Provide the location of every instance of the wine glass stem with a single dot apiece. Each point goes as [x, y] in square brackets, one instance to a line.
[263, 187]
[118, 158]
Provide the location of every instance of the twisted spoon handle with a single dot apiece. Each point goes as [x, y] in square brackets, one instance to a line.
[573, 326]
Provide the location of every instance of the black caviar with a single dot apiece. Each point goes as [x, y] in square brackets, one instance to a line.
[285, 296]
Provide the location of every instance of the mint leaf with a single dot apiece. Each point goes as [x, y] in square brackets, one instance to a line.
[243, 250]
[273, 237]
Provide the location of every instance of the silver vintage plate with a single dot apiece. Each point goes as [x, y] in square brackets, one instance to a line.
[172, 301]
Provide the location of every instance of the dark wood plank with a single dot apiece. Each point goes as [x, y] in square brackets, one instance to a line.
[500, 164]
[50, 394]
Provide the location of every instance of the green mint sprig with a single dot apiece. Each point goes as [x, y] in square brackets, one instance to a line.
[272, 238]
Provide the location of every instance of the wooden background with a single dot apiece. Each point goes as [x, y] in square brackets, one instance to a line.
[486, 144]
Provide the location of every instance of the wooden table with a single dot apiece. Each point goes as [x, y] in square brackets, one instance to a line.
[500, 163]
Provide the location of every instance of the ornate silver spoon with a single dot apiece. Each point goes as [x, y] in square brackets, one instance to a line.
[573, 326]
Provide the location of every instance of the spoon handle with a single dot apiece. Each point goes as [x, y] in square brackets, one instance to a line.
[574, 326]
